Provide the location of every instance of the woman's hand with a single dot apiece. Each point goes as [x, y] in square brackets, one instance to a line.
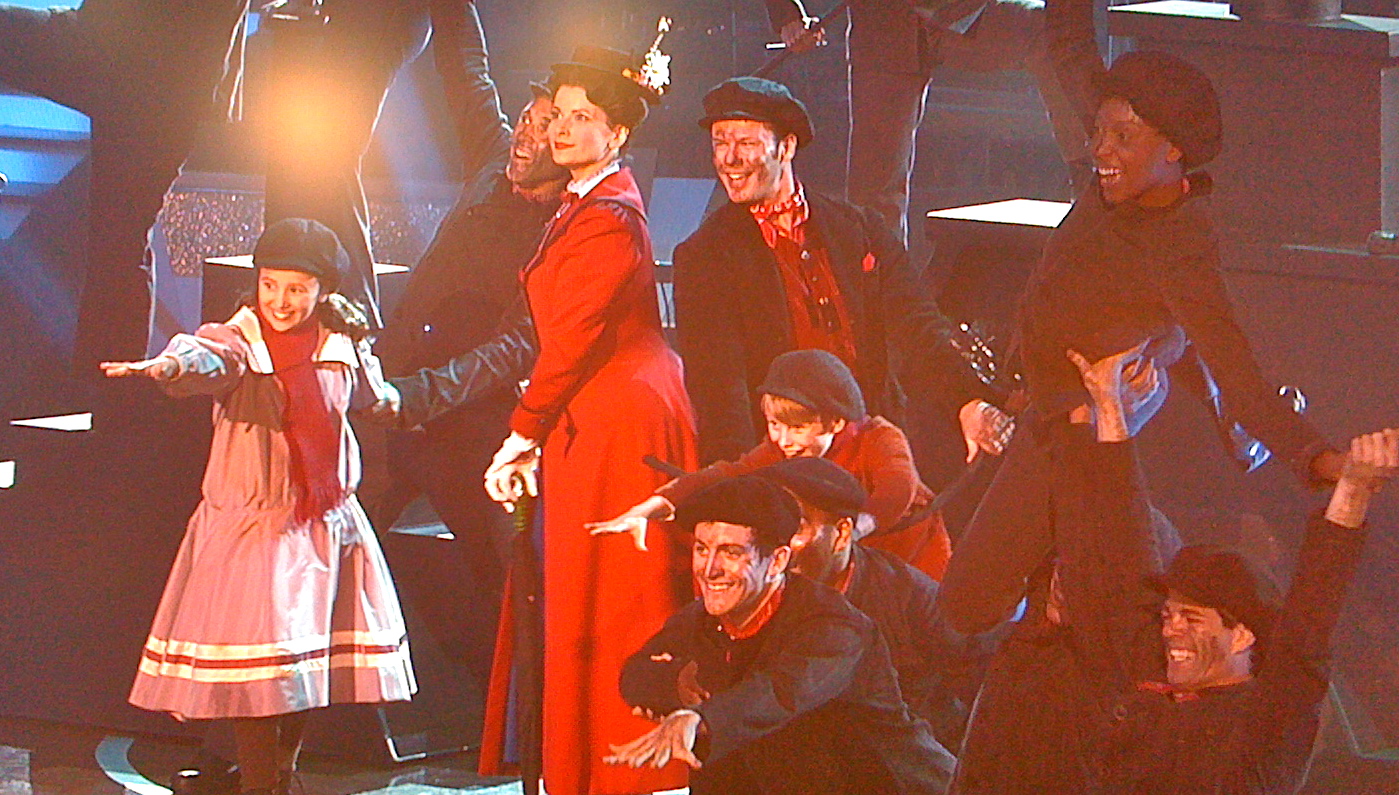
[161, 368]
[513, 471]
[653, 508]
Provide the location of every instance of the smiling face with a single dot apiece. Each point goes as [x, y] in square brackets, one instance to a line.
[581, 137]
[1200, 650]
[796, 430]
[1133, 160]
[286, 299]
[752, 164]
[731, 573]
[530, 163]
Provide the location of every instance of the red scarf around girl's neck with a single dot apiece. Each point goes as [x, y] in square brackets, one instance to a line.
[312, 428]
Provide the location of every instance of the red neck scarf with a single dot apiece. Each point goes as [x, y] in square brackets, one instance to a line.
[784, 219]
[760, 617]
[312, 428]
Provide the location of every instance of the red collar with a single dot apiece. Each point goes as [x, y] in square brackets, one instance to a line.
[794, 210]
[1168, 690]
[760, 617]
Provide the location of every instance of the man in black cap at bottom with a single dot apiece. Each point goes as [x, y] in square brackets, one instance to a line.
[777, 269]
[770, 683]
[938, 670]
[1239, 710]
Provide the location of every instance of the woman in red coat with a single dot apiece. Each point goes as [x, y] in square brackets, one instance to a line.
[605, 392]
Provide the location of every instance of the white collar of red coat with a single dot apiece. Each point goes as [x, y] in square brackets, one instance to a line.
[584, 187]
[334, 347]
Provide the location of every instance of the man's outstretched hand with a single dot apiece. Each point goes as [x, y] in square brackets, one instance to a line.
[1371, 462]
[674, 738]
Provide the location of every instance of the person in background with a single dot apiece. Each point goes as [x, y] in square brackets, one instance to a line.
[776, 269]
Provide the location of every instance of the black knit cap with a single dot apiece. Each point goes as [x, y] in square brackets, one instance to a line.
[606, 64]
[746, 501]
[819, 483]
[1171, 95]
[300, 244]
[1209, 576]
[758, 99]
[818, 380]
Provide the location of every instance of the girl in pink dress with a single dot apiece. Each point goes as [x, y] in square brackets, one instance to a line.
[279, 600]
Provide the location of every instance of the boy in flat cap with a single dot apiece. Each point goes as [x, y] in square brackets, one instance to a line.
[777, 269]
[1135, 259]
[813, 409]
[770, 683]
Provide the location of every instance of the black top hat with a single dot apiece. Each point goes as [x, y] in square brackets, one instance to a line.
[1171, 95]
[618, 68]
[300, 244]
[758, 99]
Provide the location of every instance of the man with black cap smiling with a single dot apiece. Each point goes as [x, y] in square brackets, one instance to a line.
[777, 269]
[1245, 672]
[933, 665]
[768, 682]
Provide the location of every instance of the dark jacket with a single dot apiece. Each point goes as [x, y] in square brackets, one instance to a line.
[1114, 275]
[731, 319]
[809, 704]
[1253, 738]
[1050, 686]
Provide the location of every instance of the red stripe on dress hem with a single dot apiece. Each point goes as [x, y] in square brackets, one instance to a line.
[261, 662]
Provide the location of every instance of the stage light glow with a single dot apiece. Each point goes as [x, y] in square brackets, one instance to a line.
[246, 261]
[7, 474]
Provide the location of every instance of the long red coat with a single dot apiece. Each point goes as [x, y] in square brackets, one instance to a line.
[605, 391]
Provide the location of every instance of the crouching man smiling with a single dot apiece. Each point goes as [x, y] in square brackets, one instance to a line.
[770, 683]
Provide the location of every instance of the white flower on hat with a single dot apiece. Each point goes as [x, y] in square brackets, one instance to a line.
[655, 66]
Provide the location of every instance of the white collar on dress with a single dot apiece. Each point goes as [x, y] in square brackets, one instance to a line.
[582, 188]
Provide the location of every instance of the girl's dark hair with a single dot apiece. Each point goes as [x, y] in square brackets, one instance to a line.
[622, 104]
[344, 315]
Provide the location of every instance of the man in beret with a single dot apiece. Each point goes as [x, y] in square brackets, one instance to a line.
[769, 682]
[937, 670]
[1246, 674]
[778, 269]
[893, 46]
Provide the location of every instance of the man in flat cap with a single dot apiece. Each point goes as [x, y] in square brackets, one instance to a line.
[778, 269]
[937, 670]
[892, 47]
[1246, 673]
[768, 682]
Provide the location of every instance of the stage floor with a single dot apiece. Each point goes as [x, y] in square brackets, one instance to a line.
[43, 758]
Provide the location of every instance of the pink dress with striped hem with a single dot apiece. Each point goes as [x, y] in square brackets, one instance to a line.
[264, 615]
